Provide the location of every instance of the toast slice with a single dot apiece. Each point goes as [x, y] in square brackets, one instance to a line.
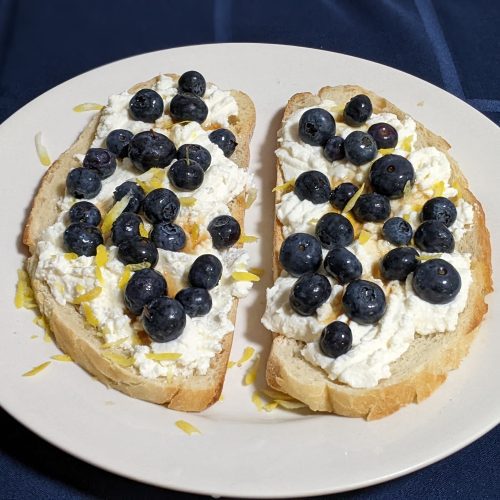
[424, 366]
[75, 336]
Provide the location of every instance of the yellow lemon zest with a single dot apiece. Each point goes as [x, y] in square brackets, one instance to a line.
[258, 271]
[406, 143]
[407, 188]
[155, 181]
[164, 356]
[423, 258]
[350, 204]
[119, 359]
[88, 106]
[251, 374]
[364, 236]
[114, 213]
[139, 266]
[246, 238]
[386, 151]
[248, 352]
[244, 276]
[99, 276]
[456, 186]
[406, 217]
[115, 343]
[290, 405]
[257, 401]
[41, 151]
[89, 315]
[101, 257]
[142, 230]
[416, 207]
[250, 197]
[187, 427]
[87, 297]
[187, 201]
[24, 293]
[70, 256]
[221, 398]
[62, 357]
[439, 188]
[36, 369]
[122, 282]
[286, 187]
[230, 364]
[270, 406]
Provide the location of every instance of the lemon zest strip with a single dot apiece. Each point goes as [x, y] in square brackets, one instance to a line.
[352, 201]
[186, 427]
[247, 238]
[406, 143]
[87, 297]
[187, 201]
[87, 106]
[248, 352]
[285, 187]
[62, 357]
[244, 276]
[124, 278]
[70, 256]
[251, 374]
[142, 230]
[257, 401]
[89, 315]
[115, 343]
[423, 258]
[114, 213]
[258, 271]
[439, 188]
[36, 369]
[270, 406]
[120, 360]
[164, 356]
[250, 197]
[364, 236]
[386, 151]
[41, 151]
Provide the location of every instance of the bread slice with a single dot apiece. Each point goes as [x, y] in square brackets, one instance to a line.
[424, 366]
[78, 339]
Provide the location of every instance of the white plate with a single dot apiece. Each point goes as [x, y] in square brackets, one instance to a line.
[240, 452]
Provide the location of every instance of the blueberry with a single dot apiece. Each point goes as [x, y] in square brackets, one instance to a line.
[188, 107]
[205, 272]
[385, 135]
[334, 230]
[342, 194]
[83, 183]
[372, 207]
[84, 211]
[225, 231]
[125, 227]
[82, 238]
[146, 105]
[436, 281]
[225, 139]
[309, 292]
[102, 161]
[164, 319]
[313, 186]
[186, 175]
[117, 142]
[434, 236]
[360, 147]
[300, 253]
[168, 236]
[150, 149]
[358, 110]
[335, 339]
[399, 263]
[196, 301]
[334, 148]
[441, 209]
[137, 250]
[342, 265]
[364, 302]
[135, 191]
[397, 231]
[193, 82]
[196, 153]
[390, 174]
[144, 286]
[316, 126]
[161, 205]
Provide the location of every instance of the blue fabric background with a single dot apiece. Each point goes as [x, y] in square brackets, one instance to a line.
[453, 44]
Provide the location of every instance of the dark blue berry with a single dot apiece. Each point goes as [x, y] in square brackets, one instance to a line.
[335, 339]
[144, 286]
[436, 281]
[342, 194]
[137, 250]
[225, 231]
[309, 292]
[117, 142]
[300, 253]
[83, 183]
[186, 175]
[385, 135]
[161, 205]
[101, 161]
[397, 231]
[168, 236]
[164, 319]
[360, 147]
[434, 236]
[82, 238]
[440, 209]
[364, 302]
[313, 186]
[146, 105]
[188, 107]
[196, 301]
[390, 174]
[205, 272]
[196, 153]
[399, 263]
[84, 211]
[135, 191]
[342, 265]
[334, 230]
[225, 139]
[150, 149]
[125, 227]
[192, 82]
[334, 148]
[316, 126]
[358, 110]
[372, 207]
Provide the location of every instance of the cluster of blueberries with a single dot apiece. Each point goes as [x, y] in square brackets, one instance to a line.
[435, 281]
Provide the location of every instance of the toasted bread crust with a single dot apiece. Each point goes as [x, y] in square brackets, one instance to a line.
[424, 367]
[75, 337]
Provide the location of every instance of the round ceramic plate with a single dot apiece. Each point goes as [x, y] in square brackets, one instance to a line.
[240, 451]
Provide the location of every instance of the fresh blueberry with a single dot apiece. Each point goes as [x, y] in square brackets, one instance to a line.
[364, 302]
[358, 110]
[164, 319]
[360, 147]
[137, 250]
[150, 149]
[390, 174]
[225, 231]
[334, 230]
[83, 183]
[196, 301]
[117, 142]
[342, 194]
[300, 253]
[309, 292]
[436, 281]
[399, 263]
[342, 265]
[144, 286]
[161, 205]
[441, 209]
[225, 139]
[192, 82]
[125, 227]
[316, 126]
[168, 236]
[135, 191]
[188, 107]
[335, 339]
[186, 175]
[434, 236]
[372, 207]
[146, 105]
[84, 211]
[205, 272]
[196, 153]
[82, 238]
[334, 148]
[397, 231]
[385, 135]
[101, 161]
[313, 186]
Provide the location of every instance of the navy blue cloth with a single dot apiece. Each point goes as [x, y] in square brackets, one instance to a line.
[454, 45]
